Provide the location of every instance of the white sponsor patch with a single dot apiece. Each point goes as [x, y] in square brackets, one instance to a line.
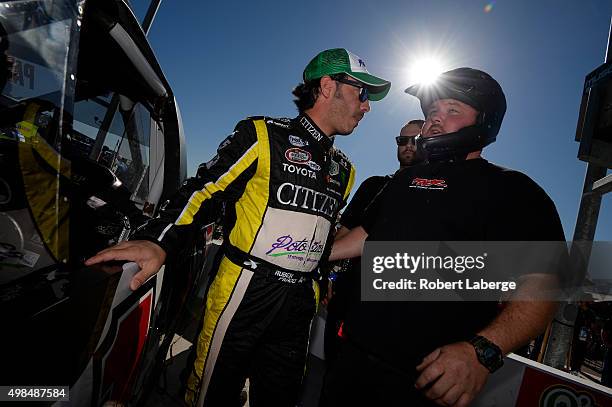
[334, 168]
[294, 169]
[278, 123]
[212, 162]
[296, 141]
[297, 156]
[291, 240]
[314, 166]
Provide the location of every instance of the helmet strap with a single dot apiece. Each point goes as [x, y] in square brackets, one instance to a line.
[453, 146]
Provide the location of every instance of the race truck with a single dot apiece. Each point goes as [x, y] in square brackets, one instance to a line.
[91, 143]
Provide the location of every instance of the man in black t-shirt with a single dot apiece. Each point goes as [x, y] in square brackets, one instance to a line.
[345, 284]
[367, 191]
[440, 353]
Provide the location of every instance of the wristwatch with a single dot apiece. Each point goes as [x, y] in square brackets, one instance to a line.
[488, 353]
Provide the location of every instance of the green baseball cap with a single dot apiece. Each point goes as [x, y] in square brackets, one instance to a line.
[339, 60]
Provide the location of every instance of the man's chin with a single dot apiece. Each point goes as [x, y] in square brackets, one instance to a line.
[346, 132]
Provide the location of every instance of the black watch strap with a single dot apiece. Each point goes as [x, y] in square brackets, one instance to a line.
[488, 353]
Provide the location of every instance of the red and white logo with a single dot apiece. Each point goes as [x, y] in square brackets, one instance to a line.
[297, 156]
[426, 183]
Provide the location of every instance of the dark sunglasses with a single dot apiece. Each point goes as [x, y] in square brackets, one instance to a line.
[363, 91]
[403, 140]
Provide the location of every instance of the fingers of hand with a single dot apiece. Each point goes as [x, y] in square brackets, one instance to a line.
[138, 279]
[464, 400]
[429, 375]
[148, 255]
[113, 253]
[449, 397]
[442, 385]
[429, 359]
[455, 388]
[454, 375]
[139, 251]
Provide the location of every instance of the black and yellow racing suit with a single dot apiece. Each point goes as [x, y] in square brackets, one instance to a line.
[283, 183]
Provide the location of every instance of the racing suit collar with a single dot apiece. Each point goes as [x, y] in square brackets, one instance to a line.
[306, 125]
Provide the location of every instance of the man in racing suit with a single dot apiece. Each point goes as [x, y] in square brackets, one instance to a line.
[283, 183]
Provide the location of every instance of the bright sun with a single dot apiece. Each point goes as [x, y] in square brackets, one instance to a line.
[425, 70]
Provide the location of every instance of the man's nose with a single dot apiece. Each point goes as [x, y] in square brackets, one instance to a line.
[434, 117]
[365, 106]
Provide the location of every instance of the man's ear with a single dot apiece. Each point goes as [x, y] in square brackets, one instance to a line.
[328, 87]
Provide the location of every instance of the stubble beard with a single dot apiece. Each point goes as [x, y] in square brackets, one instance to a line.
[339, 113]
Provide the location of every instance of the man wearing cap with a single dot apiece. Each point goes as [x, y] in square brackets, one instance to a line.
[346, 283]
[283, 183]
[441, 353]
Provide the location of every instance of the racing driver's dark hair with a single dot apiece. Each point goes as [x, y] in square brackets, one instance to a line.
[306, 93]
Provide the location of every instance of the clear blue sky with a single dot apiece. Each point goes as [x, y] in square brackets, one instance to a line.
[227, 60]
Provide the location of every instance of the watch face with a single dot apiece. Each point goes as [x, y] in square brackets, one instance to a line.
[490, 353]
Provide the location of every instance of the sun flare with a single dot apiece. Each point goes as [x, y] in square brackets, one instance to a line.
[425, 70]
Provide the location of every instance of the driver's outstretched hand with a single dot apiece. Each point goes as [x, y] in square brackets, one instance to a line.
[148, 255]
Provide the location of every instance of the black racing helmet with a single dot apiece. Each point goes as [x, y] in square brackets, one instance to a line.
[475, 88]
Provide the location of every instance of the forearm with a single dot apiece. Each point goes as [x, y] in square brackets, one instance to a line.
[163, 229]
[521, 321]
[350, 245]
[343, 231]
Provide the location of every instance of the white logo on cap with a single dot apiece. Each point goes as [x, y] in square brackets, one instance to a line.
[357, 64]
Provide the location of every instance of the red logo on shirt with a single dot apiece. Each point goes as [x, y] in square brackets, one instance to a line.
[425, 183]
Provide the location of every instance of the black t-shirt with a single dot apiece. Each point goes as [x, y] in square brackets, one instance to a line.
[353, 215]
[471, 200]
[346, 285]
